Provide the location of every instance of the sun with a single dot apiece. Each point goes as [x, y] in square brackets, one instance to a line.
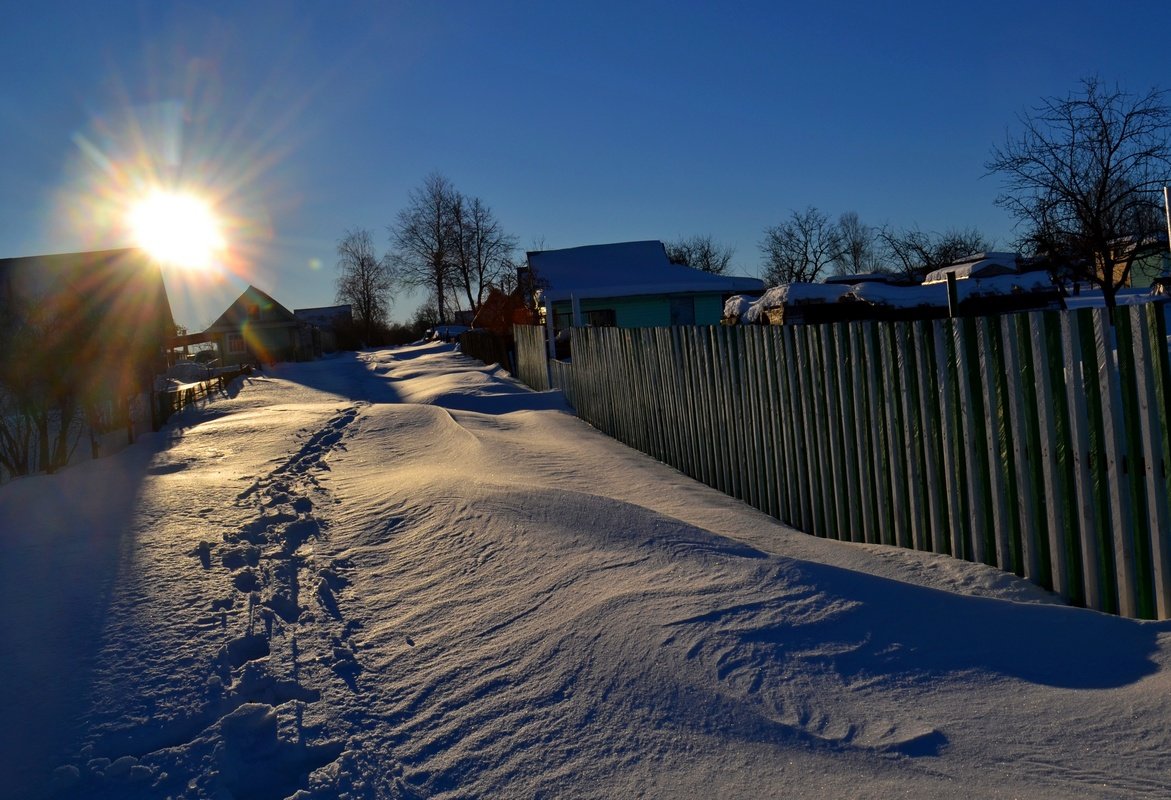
[177, 228]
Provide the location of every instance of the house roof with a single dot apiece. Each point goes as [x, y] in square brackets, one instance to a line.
[105, 312]
[124, 281]
[325, 315]
[978, 265]
[269, 312]
[625, 269]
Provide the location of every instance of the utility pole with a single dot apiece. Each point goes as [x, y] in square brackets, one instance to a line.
[1167, 213]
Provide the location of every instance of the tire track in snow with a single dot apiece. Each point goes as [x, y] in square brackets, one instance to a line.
[284, 635]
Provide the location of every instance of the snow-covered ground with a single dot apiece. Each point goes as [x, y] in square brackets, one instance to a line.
[401, 574]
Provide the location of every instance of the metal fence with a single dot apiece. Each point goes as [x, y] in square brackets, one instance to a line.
[1036, 443]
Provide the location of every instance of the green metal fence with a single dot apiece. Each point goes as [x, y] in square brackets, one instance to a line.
[1036, 443]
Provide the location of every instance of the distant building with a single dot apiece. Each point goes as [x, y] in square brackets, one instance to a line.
[256, 329]
[628, 285]
[332, 323]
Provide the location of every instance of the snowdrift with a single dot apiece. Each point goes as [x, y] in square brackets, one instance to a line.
[403, 575]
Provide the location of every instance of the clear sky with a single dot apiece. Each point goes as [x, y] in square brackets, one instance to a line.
[578, 123]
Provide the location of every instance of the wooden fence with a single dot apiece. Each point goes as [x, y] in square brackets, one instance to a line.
[1036, 443]
[489, 347]
[167, 402]
[531, 356]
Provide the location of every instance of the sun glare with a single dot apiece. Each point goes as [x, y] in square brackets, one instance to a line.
[178, 229]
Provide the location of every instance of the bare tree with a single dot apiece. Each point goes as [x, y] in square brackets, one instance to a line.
[801, 248]
[859, 251]
[482, 250]
[913, 253]
[365, 281]
[701, 252]
[1083, 177]
[425, 240]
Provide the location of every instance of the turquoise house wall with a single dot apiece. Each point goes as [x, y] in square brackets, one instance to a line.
[652, 311]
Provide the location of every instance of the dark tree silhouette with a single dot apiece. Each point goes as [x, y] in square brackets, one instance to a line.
[1083, 177]
[912, 253]
[425, 240]
[365, 281]
[801, 248]
[701, 252]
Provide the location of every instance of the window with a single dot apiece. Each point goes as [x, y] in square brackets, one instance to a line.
[598, 318]
[601, 318]
[236, 343]
[682, 310]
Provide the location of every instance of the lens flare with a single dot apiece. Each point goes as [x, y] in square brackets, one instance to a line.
[177, 228]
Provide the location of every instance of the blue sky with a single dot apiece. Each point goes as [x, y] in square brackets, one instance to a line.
[578, 123]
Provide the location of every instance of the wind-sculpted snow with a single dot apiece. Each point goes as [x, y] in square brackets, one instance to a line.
[400, 575]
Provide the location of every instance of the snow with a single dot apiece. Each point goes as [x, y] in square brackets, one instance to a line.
[624, 269]
[879, 293]
[979, 265]
[400, 574]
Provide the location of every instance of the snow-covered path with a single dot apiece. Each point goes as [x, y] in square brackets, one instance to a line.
[401, 574]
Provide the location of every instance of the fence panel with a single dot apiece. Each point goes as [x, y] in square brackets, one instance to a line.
[1038, 443]
[532, 356]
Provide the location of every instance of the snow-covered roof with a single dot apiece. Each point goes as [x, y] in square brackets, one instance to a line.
[625, 269]
[887, 295]
[979, 265]
[738, 304]
[864, 277]
[326, 315]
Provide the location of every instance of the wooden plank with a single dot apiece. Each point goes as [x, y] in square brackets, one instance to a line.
[804, 475]
[1160, 360]
[703, 432]
[832, 365]
[1055, 500]
[973, 451]
[1153, 458]
[742, 415]
[906, 360]
[995, 410]
[1121, 514]
[688, 368]
[728, 435]
[1083, 516]
[865, 445]
[849, 432]
[770, 440]
[934, 491]
[791, 472]
[750, 409]
[811, 376]
[1023, 460]
[1135, 484]
[763, 419]
[945, 378]
[883, 523]
[896, 439]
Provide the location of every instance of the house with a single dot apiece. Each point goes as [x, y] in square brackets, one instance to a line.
[82, 336]
[628, 285]
[256, 329]
[104, 314]
[333, 324]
